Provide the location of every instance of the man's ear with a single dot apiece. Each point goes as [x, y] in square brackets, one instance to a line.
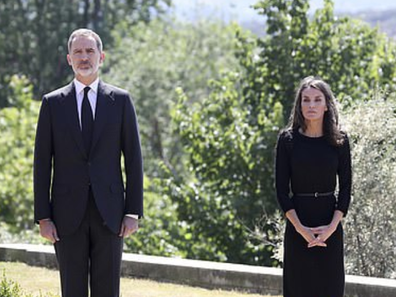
[102, 57]
[68, 59]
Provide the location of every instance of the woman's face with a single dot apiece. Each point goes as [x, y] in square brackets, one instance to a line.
[313, 104]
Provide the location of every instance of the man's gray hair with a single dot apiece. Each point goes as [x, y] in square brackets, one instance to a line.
[86, 33]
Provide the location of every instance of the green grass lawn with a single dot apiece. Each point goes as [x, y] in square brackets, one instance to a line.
[35, 280]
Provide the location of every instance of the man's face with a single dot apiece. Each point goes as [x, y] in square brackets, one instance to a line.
[84, 57]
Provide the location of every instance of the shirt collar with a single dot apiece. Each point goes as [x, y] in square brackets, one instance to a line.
[80, 86]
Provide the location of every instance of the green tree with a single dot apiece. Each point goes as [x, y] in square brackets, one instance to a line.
[229, 137]
[152, 60]
[229, 167]
[34, 35]
[350, 55]
[17, 128]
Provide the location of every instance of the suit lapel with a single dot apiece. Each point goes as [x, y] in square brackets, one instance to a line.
[69, 102]
[103, 105]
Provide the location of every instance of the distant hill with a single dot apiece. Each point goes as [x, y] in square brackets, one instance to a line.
[384, 19]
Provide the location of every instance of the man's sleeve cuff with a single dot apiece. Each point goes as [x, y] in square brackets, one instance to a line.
[133, 216]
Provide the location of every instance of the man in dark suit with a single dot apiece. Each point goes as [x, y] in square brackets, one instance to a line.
[81, 203]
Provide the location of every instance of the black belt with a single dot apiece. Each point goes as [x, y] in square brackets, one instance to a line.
[316, 194]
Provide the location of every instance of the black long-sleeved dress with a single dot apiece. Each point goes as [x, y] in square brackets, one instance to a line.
[307, 165]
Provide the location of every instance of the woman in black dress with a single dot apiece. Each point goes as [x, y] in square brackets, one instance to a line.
[310, 154]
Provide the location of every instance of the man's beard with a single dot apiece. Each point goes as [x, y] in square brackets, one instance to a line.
[84, 72]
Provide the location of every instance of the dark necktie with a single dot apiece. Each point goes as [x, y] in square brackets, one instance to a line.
[86, 120]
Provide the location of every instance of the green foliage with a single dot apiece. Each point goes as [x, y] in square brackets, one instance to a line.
[159, 232]
[9, 288]
[161, 57]
[352, 57]
[370, 227]
[151, 61]
[33, 37]
[229, 168]
[269, 231]
[214, 143]
[17, 127]
[229, 136]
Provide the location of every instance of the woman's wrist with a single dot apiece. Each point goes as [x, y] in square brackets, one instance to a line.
[333, 225]
[299, 228]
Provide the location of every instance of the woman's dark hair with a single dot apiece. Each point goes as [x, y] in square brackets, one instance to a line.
[331, 128]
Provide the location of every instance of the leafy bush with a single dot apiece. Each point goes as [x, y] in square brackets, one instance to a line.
[159, 233]
[9, 288]
[17, 128]
[370, 227]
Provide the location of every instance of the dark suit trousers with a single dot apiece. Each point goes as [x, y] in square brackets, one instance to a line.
[90, 255]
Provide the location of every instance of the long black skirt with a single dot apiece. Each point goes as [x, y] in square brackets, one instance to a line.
[316, 271]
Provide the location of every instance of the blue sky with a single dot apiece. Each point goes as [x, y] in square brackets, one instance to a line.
[240, 9]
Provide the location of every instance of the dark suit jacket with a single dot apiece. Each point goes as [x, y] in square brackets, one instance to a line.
[64, 171]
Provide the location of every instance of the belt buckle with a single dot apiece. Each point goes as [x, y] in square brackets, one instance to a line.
[316, 194]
